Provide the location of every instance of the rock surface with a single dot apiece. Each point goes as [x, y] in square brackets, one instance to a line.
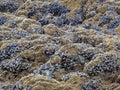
[59, 45]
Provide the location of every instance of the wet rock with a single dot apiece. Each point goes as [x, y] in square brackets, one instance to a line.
[11, 24]
[43, 21]
[36, 29]
[31, 13]
[2, 20]
[9, 51]
[91, 14]
[90, 26]
[88, 54]
[14, 66]
[58, 9]
[19, 33]
[49, 51]
[8, 6]
[91, 85]
[47, 70]
[108, 63]
[67, 61]
[79, 16]
[62, 20]
[104, 20]
[114, 24]
[101, 1]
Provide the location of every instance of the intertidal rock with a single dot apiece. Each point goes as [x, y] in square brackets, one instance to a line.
[59, 45]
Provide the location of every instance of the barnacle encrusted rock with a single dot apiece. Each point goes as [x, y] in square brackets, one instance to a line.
[59, 44]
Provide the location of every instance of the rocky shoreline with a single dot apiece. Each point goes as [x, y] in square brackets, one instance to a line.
[60, 45]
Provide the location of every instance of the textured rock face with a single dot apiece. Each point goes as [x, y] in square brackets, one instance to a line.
[59, 45]
[38, 82]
